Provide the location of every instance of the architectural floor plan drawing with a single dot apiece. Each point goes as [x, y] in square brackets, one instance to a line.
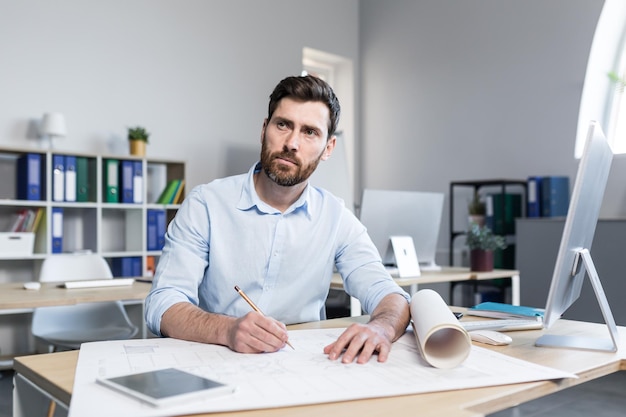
[288, 377]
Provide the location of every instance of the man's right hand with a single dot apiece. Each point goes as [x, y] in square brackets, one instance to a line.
[252, 333]
[256, 333]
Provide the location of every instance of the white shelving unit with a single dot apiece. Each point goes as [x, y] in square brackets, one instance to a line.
[111, 229]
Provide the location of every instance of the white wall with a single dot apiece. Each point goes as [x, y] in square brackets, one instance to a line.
[196, 73]
[462, 90]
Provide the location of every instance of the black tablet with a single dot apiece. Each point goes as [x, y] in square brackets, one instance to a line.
[166, 386]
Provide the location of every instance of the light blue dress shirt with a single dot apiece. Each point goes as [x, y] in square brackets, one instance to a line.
[224, 235]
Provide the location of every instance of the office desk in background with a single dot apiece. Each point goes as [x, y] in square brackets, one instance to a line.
[446, 274]
[53, 374]
[14, 299]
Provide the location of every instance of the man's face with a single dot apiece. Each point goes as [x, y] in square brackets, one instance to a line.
[294, 140]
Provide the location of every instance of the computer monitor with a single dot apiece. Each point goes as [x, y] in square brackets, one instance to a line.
[574, 259]
[387, 213]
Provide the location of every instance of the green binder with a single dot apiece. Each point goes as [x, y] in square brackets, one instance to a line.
[111, 184]
[83, 187]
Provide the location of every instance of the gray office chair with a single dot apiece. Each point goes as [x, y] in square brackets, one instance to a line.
[69, 326]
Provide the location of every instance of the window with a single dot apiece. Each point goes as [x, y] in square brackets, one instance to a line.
[602, 99]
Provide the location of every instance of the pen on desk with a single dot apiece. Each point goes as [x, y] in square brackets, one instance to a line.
[254, 307]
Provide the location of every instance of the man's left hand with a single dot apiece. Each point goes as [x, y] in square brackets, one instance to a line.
[360, 341]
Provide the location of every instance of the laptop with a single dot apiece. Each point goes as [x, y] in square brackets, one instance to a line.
[387, 213]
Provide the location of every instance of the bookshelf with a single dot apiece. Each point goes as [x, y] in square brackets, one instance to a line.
[93, 223]
[504, 210]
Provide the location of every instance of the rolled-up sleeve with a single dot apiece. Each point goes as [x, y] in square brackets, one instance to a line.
[360, 266]
[183, 261]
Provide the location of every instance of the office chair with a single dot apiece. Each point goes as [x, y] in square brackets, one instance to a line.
[69, 326]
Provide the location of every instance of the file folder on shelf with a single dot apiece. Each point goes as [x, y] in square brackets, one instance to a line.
[137, 182]
[533, 208]
[57, 230]
[58, 178]
[155, 229]
[554, 196]
[28, 178]
[126, 181]
[70, 178]
[83, 187]
[127, 266]
[111, 194]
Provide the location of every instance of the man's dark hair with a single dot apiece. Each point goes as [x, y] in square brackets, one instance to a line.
[307, 88]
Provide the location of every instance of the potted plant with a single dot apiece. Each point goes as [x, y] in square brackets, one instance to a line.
[482, 243]
[138, 138]
[477, 209]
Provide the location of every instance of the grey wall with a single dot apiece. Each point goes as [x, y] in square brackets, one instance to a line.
[196, 73]
[537, 249]
[457, 90]
[448, 90]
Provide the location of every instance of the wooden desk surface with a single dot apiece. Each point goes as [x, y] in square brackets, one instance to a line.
[446, 274]
[14, 296]
[55, 373]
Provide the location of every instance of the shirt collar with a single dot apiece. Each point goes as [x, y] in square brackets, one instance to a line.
[249, 197]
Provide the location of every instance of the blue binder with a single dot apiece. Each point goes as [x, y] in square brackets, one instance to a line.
[554, 196]
[57, 230]
[533, 208]
[126, 266]
[58, 178]
[137, 182]
[126, 181]
[70, 178]
[160, 229]
[28, 178]
[136, 267]
[155, 229]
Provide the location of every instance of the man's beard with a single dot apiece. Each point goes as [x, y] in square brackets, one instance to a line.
[282, 175]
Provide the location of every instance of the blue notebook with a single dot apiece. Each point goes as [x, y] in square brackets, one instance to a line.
[504, 311]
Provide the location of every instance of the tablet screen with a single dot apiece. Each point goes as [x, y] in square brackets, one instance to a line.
[166, 386]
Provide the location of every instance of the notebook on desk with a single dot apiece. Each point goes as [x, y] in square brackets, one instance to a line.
[504, 325]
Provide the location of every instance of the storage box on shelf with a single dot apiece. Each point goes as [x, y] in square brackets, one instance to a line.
[73, 191]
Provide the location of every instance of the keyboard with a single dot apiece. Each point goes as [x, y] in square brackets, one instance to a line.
[504, 325]
[93, 283]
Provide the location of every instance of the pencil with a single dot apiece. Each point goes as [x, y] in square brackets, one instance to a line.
[254, 307]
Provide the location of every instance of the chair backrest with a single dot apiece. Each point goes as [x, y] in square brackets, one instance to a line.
[74, 267]
[69, 326]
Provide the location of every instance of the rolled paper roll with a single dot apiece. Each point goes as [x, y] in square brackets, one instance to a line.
[441, 339]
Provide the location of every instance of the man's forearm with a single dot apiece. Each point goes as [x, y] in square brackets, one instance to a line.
[188, 322]
[393, 314]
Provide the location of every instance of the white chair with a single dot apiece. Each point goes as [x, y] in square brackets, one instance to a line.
[69, 326]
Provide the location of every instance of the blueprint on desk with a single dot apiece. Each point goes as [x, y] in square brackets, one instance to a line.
[285, 378]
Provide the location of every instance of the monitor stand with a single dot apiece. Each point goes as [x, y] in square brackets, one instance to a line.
[580, 342]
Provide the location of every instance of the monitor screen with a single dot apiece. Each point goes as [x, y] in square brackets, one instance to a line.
[387, 213]
[574, 260]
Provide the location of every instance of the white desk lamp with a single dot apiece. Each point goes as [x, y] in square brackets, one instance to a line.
[53, 126]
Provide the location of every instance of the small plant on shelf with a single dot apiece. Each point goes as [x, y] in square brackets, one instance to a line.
[138, 133]
[482, 238]
[476, 206]
[477, 209]
[138, 138]
[482, 243]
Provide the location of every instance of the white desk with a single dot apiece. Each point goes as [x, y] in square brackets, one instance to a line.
[446, 274]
